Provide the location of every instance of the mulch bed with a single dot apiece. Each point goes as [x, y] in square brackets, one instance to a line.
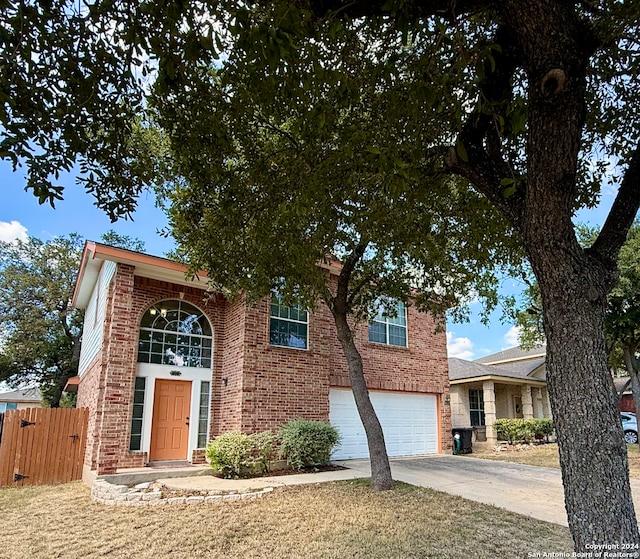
[291, 471]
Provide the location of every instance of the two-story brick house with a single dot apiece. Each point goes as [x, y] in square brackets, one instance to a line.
[166, 365]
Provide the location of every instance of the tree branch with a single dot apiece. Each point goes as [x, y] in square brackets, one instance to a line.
[341, 299]
[448, 9]
[622, 215]
[484, 165]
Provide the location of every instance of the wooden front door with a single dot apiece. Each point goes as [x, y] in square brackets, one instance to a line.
[170, 427]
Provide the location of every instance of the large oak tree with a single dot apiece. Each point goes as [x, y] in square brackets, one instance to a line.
[544, 95]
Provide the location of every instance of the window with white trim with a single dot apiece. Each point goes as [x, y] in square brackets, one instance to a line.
[174, 332]
[289, 325]
[6, 406]
[390, 326]
[135, 439]
[203, 413]
[476, 407]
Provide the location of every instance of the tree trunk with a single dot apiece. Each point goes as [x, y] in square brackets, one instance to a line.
[380, 469]
[584, 403]
[574, 282]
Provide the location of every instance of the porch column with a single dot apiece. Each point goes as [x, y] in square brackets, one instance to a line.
[546, 406]
[538, 410]
[527, 402]
[489, 396]
[459, 408]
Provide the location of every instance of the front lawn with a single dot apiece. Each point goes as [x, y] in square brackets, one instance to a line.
[547, 455]
[332, 521]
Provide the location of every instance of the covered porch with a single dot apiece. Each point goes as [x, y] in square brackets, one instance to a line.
[509, 385]
[478, 404]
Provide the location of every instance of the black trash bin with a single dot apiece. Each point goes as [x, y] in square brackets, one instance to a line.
[462, 440]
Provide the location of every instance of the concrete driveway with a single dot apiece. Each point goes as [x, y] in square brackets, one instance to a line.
[530, 490]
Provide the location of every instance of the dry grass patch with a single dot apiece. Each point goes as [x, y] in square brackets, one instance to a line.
[337, 520]
[546, 455]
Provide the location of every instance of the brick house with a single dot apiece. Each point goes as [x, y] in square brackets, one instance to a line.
[166, 365]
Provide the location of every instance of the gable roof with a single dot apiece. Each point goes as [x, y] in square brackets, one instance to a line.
[94, 254]
[26, 395]
[515, 363]
[462, 370]
[145, 265]
[620, 383]
[513, 354]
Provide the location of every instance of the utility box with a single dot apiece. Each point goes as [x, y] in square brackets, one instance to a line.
[462, 440]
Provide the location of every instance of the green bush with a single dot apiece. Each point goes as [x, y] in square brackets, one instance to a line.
[305, 443]
[236, 454]
[266, 450]
[542, 427]
[517, 429]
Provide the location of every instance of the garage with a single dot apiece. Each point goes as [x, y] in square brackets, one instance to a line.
[409, 422]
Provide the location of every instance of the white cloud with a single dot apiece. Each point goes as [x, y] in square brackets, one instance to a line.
[511, 338]
[459, 347]
[12, 231]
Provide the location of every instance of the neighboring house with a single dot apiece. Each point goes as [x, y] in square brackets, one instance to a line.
[166, 365]
[623, 387]
[508, 384]
[20, 399]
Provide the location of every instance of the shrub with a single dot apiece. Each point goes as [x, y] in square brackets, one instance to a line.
[266, 449]
[235, 454]
[514, 430]
[542, 427]
[307, 443]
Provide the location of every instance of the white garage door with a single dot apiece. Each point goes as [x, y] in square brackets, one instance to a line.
[409, 423]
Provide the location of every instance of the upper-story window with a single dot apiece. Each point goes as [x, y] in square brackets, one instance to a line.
[390, 326]
[175, 333]
[289, 325]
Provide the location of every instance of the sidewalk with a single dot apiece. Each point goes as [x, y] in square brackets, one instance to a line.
[212, 483]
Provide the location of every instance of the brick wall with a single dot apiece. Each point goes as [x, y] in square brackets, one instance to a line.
[227, 400]
[627, 403]
[282, 383]
[129, 297]
[255, 386]
[89, 396]
[150, 291]
[119, 354]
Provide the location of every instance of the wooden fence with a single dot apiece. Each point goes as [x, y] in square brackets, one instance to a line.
[42, 446]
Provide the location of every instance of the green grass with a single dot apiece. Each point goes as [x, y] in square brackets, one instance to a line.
[335, 520]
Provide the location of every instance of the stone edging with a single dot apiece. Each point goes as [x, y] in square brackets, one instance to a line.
[142, 494]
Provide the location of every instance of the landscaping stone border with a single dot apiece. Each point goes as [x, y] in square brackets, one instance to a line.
[145, 494]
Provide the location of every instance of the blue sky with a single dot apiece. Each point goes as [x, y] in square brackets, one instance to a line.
[20, 215]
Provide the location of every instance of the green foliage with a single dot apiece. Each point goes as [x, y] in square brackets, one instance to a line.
[542, 426]
[289, 171]
[307, 443]
[267, 448]
[114, 239]
[40, 332]
[514, 430]
[69, 400]
[236, 454]
[623, 304]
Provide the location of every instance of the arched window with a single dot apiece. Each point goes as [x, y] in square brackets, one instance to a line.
[174, 332]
